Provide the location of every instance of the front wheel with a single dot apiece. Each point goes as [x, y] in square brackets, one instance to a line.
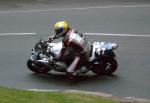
[37, 67]
[104, 66]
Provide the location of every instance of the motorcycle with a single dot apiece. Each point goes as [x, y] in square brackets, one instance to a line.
[102, 59]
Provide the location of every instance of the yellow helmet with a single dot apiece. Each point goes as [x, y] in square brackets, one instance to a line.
[61, 28]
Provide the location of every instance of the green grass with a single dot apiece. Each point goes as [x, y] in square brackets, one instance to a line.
[23, 96]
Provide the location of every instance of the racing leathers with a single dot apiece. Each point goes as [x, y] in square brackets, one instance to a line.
[75, 47]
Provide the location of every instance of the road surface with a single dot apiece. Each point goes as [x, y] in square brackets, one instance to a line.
[129, 20]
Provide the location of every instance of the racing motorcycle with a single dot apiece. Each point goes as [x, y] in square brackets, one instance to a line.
[102, 59]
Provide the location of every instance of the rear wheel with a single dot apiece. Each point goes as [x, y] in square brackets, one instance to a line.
[37, 67]
[104, 66]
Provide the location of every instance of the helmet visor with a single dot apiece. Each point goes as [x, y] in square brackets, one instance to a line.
[59, 31]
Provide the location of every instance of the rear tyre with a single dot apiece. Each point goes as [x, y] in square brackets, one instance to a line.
[37, 67]
[105, 66]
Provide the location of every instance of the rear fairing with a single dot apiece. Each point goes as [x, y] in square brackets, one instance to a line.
[102, 48]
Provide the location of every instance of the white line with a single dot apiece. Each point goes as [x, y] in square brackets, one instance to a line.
[100, 34]
[1, 34]
[122, 35]
[80, 8]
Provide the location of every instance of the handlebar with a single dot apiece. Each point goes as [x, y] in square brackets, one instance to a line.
[51, 38]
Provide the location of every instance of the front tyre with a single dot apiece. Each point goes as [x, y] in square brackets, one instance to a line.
[37, 67]
[105, 66]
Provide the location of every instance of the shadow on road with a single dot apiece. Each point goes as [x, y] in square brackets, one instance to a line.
[62, 79]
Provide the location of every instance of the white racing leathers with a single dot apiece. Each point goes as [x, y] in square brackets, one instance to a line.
[75, 48]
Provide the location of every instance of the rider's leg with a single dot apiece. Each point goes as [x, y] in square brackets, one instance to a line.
[75, 65]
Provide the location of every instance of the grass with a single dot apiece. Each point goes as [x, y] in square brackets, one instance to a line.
[8, 95]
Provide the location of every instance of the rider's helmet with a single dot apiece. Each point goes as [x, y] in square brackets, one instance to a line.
[61, 28]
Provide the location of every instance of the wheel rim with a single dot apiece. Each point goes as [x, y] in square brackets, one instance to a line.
[41, 68]
[104, 66]
[38, 68]
[108, 66]
[33, 65]
[97, 68]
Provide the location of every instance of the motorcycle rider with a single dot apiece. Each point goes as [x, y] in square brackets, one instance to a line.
[75, 46]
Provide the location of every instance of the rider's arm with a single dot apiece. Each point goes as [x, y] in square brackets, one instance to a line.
[64, 48]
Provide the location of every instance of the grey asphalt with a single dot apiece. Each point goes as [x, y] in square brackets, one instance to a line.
[132, 76]
[41, 4]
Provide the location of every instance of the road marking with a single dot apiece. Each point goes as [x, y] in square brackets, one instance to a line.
[122, 35]
[1, 34]
[80, 8]
[90, 34]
